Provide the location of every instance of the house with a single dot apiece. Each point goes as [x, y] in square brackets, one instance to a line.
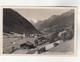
[33, 35]
[27, 45]
[40, 40]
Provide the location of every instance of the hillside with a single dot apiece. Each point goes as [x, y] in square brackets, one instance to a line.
[64, 48]
[14, 22]
[39, 23]
[57, 21]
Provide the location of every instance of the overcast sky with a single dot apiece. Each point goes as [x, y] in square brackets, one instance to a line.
[39, 14]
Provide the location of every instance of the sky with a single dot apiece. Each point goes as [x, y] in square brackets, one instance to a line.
[39, 14]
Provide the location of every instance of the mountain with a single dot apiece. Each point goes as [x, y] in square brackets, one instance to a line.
[39, 23]
[57, 21]
[31, 21]
[14, 22]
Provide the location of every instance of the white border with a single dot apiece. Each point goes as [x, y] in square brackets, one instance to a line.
[42, 3]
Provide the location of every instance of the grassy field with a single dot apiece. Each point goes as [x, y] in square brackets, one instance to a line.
[7, 45]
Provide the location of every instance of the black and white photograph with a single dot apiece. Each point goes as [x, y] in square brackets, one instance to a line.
[39, 30]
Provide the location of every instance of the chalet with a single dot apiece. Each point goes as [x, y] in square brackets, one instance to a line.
[40, 40]
[27, 45]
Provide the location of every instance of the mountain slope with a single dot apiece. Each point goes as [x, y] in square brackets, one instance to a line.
[14, 22]
[65, 48]
[39, 23]
[58, 21]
